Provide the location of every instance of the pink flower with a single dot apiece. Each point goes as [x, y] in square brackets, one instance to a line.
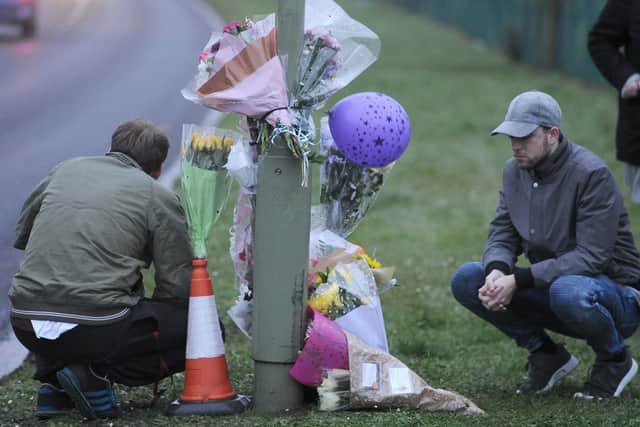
[233, 27]
[203, 56]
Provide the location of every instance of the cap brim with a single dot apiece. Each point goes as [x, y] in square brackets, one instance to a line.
[515, 129]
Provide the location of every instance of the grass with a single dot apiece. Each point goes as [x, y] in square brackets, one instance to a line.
[431, 216]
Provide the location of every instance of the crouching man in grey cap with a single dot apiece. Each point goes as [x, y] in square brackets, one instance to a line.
[560, 206]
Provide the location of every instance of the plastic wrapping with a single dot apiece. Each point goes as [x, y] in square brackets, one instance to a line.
[242, 312]
[239, 71]
[325, 348]
[205, 183]
[337, 49]
[334, 392]
[242, 165]
[379, 380]
[347, 190]
[347, 286]
[327, 249]
[241, 251]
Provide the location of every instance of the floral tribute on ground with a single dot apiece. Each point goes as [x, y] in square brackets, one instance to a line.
[346, 353]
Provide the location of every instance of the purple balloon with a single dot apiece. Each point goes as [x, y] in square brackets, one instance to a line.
[370, 128]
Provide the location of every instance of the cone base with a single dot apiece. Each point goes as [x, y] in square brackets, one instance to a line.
[237, 404]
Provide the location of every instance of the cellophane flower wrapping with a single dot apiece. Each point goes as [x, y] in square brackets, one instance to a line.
[336, 49]
[239, 71]
[347, 190]
[243, 168]
[325, 348]
[241, 251]
[205, 183]
[345, 284]
[379, 380]
[375, 380]
[348, 286]
[334, 392]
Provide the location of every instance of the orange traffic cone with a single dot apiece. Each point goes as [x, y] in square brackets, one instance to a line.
[207, 390]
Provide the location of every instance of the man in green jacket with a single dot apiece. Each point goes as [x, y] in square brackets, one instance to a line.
[78, 301]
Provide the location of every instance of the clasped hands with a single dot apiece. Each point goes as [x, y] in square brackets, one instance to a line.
[497, 291]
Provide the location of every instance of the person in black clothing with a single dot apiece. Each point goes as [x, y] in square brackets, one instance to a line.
[614, 45]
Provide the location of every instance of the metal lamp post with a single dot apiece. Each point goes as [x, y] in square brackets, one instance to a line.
[281, 245]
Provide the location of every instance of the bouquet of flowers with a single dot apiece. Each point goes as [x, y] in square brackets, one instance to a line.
[377, 379]
[347, 190]
[334, 392]
[345, 284]
[239, 71]
[350, 374]
[205, 184]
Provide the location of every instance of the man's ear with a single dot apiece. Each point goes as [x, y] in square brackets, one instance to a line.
[156, 173]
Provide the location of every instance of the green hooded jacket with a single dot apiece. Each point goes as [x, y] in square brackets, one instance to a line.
[87, 231]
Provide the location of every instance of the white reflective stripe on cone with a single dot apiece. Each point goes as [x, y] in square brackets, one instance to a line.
[204, 338]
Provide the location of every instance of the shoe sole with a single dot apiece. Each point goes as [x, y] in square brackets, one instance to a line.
[45, 414]
[621, 385]
[69, 383]
[562, 372]
[627, 378]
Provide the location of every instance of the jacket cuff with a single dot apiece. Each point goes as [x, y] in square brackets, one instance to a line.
[524, 277]
[497, 265]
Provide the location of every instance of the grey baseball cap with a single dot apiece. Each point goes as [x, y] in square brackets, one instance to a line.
[527, 111]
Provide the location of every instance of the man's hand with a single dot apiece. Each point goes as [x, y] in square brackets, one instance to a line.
[497, 291]
[488, 290]
[631, 89]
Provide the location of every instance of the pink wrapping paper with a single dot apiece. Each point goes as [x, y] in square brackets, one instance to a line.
[326, 348]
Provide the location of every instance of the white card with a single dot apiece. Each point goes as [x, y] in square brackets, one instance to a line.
[400, 380]
[370, 376]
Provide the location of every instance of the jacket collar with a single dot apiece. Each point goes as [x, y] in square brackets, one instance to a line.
[554, 162]
[124, 159]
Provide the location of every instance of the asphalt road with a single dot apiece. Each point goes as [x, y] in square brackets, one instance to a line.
[92, 65]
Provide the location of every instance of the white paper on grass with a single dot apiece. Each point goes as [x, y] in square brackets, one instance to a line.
[400, 381]
[367, 323]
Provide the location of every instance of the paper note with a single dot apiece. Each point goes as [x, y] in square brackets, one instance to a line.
[400, 381]
[370, 376]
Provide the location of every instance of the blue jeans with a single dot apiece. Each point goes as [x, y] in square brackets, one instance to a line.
[595, 309]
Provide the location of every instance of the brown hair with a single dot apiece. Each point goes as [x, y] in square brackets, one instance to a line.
[143, 142]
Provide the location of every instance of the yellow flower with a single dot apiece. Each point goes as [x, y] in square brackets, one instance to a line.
[200, 143]
[326, 301]
[209, 142]
[194, 140]
[373, 263]
[228, 142]
[218, 142]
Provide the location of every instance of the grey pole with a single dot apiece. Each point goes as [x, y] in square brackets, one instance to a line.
[281, 245]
